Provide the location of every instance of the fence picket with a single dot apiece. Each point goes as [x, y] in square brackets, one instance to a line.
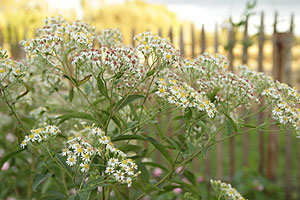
[261, 144]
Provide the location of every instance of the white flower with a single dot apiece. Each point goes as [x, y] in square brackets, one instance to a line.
[71, 160]
[119, 175]
[129, 181]
[113, 162]
[84, 167]
[109, 170]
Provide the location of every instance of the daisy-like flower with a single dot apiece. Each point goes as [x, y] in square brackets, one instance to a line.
[113, 162]
[71, 160]
[119, 175]
[84, 167]
[129, 181]
[109, 170]
[226, 190]
[40, 135]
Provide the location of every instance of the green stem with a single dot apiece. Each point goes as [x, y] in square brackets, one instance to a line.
[30, 181]
[13, 111]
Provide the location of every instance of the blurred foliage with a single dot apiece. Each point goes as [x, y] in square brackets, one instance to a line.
[26, 15]
[132, 14]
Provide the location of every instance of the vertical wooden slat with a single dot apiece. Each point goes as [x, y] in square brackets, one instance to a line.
[232, 139]
[272, 137]
[219, 146]
[216, 44]
[171, 35]
[261, 149]
[288, 135]
[9, 39]
[1, 38]
[181, 42]
[203, 40]
[207, 165]
[193, 40]
[245, 146]
[160, 32]
[230, 46]
[132, 37]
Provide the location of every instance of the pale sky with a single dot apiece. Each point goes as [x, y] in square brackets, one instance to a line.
[209, 12]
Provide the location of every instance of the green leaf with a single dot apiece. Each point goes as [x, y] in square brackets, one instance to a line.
[73, 80]
[76, 115]
[157, 145]
[38, 179]
[145, 174]
[24, 93]
[127, 100]
[62, 160]
[102, 86]
[190, 187]
[190, 176]
[9, 156]
[150, 73]
[234, 125]
[85, 79]
[153, 164]
[71, 94]
[151, 188]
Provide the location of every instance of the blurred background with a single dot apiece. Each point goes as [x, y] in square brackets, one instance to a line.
[264, 34]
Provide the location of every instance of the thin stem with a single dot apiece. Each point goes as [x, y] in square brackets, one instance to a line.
[12, 109]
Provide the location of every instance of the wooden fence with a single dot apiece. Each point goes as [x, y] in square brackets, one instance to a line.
[267, 146]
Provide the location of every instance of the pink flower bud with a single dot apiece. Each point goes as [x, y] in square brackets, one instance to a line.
[5, 166]
[200, 179]
[177, 190]
[157, 172]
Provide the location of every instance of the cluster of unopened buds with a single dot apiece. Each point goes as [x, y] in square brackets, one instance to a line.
[184, 96]
[226, 190]
[40, 135]
[91, 141]
[161, 48]
[110, 37]
[57, 33]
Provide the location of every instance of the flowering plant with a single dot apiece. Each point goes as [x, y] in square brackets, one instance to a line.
[117, 94]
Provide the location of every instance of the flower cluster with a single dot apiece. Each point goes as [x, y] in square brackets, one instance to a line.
[150, 44]
[206, 65]
[40, 135]
[3, 53]
[120, 61]
[110, 37]
[226, 190]
[58, 33]
[38, 114]
[184, 96]
[234, 89]
[92, 141]
[9, 69]
[280, 96]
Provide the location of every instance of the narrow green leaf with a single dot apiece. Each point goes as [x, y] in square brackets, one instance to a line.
[151, 188]
[38, 179]
[76, 115]
[102, 86]
[190, 176]
[161, 149]
[145, 174]
[85, 79]
[125, 101]
[158, 146]
[63, 163]
[234, 125]
[9, 156]
[71, 94]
